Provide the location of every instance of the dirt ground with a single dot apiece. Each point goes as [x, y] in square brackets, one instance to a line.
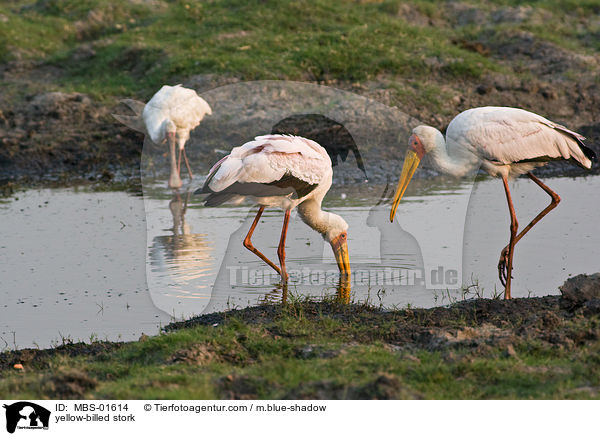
[474, 322]
[477, 322]
[519, 336]
[72, 136]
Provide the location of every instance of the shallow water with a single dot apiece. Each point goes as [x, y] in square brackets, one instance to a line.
[79, 264]
[72, 266]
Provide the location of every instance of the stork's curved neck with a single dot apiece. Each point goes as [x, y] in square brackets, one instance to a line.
[323, 222]
[458, 164]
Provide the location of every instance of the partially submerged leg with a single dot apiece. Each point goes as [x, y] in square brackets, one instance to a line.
[555, 200]
[505, 271]
[248, 242]
[281, 248]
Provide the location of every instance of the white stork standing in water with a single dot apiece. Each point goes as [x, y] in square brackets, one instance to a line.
[507, 142]
[170, 116]
[281, 171]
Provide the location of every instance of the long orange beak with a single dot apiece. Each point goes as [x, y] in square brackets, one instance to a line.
[411, 162]
[340, 251]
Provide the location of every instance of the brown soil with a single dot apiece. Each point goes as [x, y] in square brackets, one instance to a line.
[382, 387]
[460, 332]
[68, 383]
[38, 358]
[476, 323]
[70, 136]
[55, 135]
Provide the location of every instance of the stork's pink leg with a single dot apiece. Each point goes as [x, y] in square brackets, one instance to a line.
[555, 200]
[514, 226]
[179, 162]
[281, 248]
[248, 242]
[187, 164]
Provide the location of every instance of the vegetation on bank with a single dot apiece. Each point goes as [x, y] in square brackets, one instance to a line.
[478, 349]
[126, 48]
[430, 59]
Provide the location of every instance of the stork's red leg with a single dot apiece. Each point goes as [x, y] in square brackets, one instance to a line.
[248, 242]
[514, 226]
[187, 164]
[555, 200]
[281, 248]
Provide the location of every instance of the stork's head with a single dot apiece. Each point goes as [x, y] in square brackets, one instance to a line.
[422, 141]
[337, 236]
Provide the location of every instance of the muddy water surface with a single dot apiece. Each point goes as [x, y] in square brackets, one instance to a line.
[76, 264]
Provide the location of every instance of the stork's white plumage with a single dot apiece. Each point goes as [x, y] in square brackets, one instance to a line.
[506, 142]
[170, 115]
[511, 141]
[281, 171]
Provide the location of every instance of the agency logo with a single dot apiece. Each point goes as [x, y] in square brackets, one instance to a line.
[26, 415]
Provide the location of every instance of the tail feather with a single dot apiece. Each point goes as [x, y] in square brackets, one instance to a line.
[219, 198]
[579, 149]
[589, 153]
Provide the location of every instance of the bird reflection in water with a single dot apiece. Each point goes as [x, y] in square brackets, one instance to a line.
[398, 249]
[178, 208]
[184, 255]
[280, 292]
[343, 290]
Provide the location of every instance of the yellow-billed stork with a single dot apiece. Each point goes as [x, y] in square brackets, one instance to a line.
[506, 142]
[286, 172]
[170, 115]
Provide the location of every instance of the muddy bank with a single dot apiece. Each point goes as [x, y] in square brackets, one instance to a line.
[472, 322]
[50, 136]
[39, 358]
[480, 348]
[49, 133]
[477, 323]
[56, 135]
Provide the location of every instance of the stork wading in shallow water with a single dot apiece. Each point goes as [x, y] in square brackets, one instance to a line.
[170, 115]
[506, 142]
[281, 171]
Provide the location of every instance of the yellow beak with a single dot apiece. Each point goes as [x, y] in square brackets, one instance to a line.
[411, 162]
[340, 251]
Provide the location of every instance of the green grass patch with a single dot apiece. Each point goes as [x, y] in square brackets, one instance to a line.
[310, 350]
[137, 47]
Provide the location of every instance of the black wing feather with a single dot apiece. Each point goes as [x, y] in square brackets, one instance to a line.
[288, 186]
